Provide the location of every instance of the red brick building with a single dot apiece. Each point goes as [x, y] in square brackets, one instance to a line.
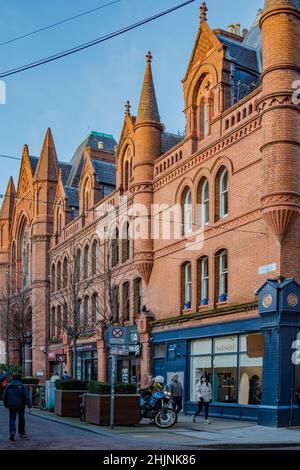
[234, 174]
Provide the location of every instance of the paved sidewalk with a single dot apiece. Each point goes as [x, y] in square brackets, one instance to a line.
[219, 433]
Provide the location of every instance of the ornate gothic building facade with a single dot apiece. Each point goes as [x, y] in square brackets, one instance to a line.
[235, 175]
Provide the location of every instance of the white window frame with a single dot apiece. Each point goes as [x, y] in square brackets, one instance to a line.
[204, 279]
[188, 212]
[187, 283]
[204, 203]
[223, 190]
[223, 273]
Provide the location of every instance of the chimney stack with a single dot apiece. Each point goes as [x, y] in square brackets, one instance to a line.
[238, 29]
[245, 32]
[231, 28]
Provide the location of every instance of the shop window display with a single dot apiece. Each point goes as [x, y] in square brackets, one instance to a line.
[234, 372]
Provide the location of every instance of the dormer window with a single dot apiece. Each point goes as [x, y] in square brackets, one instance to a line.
[100, 145]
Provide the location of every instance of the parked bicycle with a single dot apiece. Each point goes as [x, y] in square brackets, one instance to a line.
[39, 397]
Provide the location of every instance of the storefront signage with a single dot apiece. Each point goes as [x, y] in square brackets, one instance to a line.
[119, 350]
[255, 345]
[86, 347]
[269, 268]
[125, 335]
[40, 373]
[60, 358]
[52, 354]
[226, 345]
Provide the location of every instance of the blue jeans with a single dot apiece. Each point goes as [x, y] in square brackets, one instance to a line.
[13, 413]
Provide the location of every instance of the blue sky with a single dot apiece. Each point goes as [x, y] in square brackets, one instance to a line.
[87, 91]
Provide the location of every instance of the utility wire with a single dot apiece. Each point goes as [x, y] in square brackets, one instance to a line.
[10, 157]
[81, 47]
[18, 38]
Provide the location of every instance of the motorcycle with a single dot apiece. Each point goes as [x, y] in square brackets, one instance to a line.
[157, 406]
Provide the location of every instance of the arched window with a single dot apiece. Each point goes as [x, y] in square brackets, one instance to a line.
[65, 273]
[138, 290]
[187, 211]
[115, 247]
[86, 269]
[126, 301]
[203, 274]
[25, 256]
[78, 266]
[223, 193]
[86, 312]
[95, 258]
[52, 323]
[204, 124]
[186, 281]
[59, 322]
[116, 304]
[53, 283]
[126, 243]
[203, 203]
[126, 176]
[95, 308]
[222, 275]
[58, 275]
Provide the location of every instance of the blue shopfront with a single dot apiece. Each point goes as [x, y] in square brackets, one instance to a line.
[251, 364]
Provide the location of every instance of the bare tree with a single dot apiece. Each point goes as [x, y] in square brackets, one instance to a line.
[95, 280]
[5, 315]
[15, 320]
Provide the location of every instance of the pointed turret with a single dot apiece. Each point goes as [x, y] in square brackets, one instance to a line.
[148, 108]
[148, 130]
[280, 25]
[8, 203]
[48, 167]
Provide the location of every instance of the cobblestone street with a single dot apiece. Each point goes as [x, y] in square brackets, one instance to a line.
[47, 435]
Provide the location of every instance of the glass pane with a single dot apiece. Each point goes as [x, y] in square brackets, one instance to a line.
[250, 391]
[226, 344]
[159, 351]
[225, 379]
[199, 366]
[202, 346]
[243, 343]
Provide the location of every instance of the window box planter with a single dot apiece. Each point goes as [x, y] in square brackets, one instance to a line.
[67, 403]
[127, 409]
[223, 298]
[204, 302]
[188, 306]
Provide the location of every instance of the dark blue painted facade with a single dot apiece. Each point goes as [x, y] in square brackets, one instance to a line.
[279, 322]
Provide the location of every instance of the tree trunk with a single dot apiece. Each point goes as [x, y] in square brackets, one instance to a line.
[74, 363]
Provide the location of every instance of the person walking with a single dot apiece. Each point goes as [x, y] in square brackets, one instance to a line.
[4, 377]
[204, 397]
[175, 388]
[15, 398]
[66, 375]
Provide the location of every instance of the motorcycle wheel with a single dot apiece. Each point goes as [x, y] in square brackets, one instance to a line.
[165, 418]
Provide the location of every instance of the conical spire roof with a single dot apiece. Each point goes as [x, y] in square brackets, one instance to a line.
[8, 202]
[148, 108]
[273, 3]
[48, 167]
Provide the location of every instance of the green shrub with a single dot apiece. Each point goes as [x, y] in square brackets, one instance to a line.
[71, 384]
[100, 388]
[29, 381]
[126, 389]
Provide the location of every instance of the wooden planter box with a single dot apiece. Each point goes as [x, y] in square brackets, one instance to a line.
[67, 403]
[127, 409]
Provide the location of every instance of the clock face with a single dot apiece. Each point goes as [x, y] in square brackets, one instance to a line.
[292, 300]
[267, 301]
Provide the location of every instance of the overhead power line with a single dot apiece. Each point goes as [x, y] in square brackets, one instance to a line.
[66, 20]
[10, 157]
[82, 47]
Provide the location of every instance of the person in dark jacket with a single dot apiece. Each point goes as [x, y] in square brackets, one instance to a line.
[15, 398]
[4, 377]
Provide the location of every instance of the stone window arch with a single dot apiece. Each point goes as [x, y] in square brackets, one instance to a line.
[203, 202]
[187, 210]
